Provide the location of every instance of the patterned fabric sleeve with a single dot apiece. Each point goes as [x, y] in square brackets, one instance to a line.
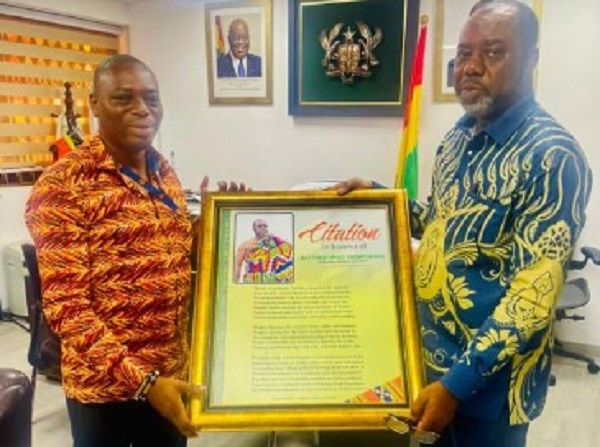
[57, 225]
[549, 215]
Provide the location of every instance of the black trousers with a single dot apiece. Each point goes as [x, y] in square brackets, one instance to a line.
[121, 424]
[470, 432]
[377, 438]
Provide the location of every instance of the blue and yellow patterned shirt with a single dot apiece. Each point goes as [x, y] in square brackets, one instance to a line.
[506, 209]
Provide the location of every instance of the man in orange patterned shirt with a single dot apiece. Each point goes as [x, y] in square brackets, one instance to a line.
[113, 239]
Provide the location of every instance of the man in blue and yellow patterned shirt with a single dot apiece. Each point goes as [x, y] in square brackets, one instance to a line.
[510, 187]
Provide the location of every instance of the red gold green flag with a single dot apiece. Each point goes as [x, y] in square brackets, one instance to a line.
[407, 173]
[219, 41]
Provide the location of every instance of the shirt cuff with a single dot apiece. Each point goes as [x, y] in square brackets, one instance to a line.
[375, 185]
[462, 381]
[132, 373]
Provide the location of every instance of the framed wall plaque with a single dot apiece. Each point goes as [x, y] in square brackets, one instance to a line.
[350, 58]
[304, 312]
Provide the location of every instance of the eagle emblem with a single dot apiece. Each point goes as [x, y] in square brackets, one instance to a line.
[347, 56]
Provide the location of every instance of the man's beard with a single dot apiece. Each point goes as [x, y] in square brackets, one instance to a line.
[481, 107]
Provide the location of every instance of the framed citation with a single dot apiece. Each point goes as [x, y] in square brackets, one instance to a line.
[304, 312]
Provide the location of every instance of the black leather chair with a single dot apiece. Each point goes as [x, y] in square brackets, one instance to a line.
[16, 397]
[576, 294]
[44, 345]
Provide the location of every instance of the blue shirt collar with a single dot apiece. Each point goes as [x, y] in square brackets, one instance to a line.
[502, 128]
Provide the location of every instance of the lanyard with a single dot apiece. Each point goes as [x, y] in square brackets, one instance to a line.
[154, 191]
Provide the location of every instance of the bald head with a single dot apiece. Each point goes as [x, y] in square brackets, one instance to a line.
[126, 102]
[527, 23]
[495, 59]
[107, 66]
[261, 228]
[238, 25]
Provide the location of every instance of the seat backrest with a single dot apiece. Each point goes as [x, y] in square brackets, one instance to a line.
[44, 345]
[16, 400]
[575, 293]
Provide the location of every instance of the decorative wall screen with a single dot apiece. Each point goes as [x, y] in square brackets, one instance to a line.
[36, 59]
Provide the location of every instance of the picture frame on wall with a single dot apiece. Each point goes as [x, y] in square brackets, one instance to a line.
[239, 52]
[350, 58]
[453, 12]
[287, 334]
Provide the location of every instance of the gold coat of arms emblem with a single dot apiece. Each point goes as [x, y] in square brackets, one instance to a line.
[348, 57]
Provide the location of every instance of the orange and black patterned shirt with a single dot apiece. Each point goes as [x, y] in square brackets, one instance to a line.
[115, 268]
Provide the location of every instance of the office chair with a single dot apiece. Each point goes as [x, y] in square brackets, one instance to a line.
[44, 345]
[16, 405]
[575, 294]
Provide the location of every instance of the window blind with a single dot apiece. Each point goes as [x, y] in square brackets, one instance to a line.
[36, 59]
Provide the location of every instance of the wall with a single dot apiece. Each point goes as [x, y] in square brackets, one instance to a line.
[270, 150]
[569, 70]
[261, 145]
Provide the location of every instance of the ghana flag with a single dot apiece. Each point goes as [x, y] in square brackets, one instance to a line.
[219, 41]
[407, 174]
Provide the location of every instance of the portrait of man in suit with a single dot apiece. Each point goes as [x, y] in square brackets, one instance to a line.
[239, 62]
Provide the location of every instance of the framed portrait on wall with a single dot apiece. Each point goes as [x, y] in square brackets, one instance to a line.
[304, 312]
[350, 58]
[239, 52]
[450, 15]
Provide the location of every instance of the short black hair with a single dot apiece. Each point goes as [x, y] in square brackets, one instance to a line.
[109, 64]
[527, 21]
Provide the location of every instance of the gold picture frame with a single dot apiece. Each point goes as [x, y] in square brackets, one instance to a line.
[456, 12]
[227, 85]
[347, 278]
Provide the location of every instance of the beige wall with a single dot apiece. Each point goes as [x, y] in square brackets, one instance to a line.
[269, 149]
